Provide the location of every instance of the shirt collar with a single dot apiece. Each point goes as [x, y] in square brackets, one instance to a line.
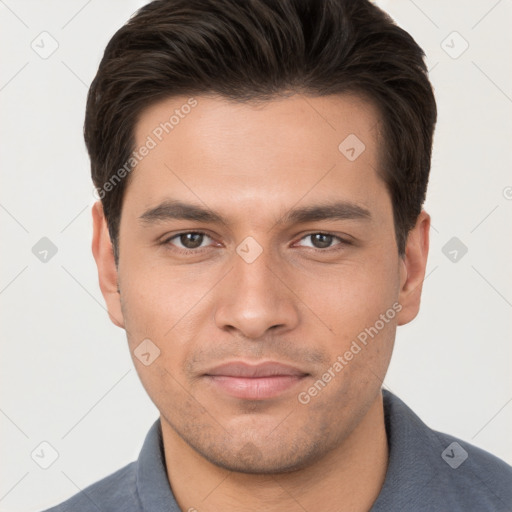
[152, 483]
[414, 458]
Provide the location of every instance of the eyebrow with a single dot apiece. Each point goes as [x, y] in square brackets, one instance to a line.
[178, 210]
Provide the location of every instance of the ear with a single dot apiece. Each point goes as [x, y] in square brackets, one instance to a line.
[412, 271]
[107, 271]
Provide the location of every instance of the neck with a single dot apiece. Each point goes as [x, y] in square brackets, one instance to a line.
[349, 478]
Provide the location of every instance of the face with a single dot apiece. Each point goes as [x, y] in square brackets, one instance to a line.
[258, 256]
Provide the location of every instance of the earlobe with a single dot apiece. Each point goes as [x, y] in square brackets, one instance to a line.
[107, 271]
[413, 269]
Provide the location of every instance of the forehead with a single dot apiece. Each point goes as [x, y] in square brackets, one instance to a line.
[254, 155]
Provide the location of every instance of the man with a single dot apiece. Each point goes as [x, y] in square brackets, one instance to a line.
[262, 168]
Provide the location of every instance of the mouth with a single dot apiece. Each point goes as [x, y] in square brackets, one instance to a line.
[255, 382]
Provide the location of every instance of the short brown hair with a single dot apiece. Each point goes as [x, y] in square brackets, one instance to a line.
[259, 49]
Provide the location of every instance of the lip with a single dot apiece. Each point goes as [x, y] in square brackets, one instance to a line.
[254, 382]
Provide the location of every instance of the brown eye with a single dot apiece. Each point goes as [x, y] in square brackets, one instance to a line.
[321, 241]
[191, 240]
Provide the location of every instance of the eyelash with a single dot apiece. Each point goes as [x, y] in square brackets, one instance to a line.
[188, 252]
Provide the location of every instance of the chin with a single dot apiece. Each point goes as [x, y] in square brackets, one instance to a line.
[261, 458]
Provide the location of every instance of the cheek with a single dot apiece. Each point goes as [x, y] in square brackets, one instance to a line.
[156, 309]
[158, 300]
[168, 306]
[352, 297]
[359, 304]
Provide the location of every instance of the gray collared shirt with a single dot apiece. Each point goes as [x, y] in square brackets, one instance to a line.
[427, 472]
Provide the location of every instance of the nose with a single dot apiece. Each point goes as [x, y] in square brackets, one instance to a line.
[255, 298]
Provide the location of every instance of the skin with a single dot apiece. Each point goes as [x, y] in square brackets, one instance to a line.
[295, 304]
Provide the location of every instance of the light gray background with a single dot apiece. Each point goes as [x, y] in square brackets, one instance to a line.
[66, 374]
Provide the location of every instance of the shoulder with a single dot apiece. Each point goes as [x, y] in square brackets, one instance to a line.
[470, 476]
[141, 485]
[433, 471]
[115, 492]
